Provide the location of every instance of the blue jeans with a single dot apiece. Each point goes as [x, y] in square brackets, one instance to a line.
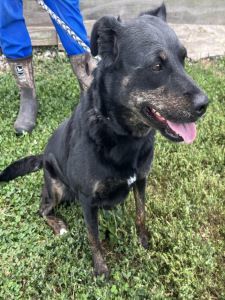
[14, 37]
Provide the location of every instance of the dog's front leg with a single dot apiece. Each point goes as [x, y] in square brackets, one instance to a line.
[91, 220]
[139, 195]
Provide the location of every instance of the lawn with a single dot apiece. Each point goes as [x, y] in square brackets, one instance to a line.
[185, 208]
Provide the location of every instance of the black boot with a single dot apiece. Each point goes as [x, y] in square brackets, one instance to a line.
[23, 72]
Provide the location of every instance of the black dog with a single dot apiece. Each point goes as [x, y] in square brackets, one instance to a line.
[106, 148]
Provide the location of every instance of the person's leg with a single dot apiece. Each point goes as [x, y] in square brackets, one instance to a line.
[15, 40]
[82, 63]
[16, 46]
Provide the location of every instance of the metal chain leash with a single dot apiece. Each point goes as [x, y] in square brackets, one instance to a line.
[64, 26]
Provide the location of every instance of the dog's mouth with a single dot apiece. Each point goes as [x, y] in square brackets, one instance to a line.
[177, 132]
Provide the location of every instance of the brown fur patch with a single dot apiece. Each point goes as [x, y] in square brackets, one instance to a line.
[57, 190]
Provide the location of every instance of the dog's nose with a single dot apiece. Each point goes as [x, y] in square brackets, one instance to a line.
[200, 104]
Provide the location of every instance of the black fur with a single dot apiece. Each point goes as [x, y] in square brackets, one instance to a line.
[22, 167]
[106, 147]
[159, 12]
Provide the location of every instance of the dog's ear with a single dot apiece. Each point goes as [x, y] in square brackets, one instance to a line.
[104, 39]
[159, 12]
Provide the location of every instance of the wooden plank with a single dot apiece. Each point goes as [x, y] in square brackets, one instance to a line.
[199, 39]
[43, 36]
[185, 11]
[34, 14]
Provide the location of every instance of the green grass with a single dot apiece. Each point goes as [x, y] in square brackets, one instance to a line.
[185, 209]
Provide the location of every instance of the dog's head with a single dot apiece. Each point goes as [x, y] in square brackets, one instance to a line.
[143, 67]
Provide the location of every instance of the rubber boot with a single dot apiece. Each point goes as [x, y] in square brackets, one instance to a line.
[83, 66]
[23, 72]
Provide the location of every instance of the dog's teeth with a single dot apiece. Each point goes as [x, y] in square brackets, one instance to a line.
[158, 114]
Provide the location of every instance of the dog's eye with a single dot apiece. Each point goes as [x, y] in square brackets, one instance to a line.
[157, 68]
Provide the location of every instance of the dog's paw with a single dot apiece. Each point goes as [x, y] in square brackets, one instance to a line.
[58, 226]
[101, 269]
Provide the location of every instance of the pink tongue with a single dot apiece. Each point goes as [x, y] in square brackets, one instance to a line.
[187, 131]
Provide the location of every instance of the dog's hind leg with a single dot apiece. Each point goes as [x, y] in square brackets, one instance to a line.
[139, 195]
[52, 195]
[91, 220]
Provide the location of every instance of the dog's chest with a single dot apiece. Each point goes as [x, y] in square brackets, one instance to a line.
[131, 179]
[111, 191]
[119, 163]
